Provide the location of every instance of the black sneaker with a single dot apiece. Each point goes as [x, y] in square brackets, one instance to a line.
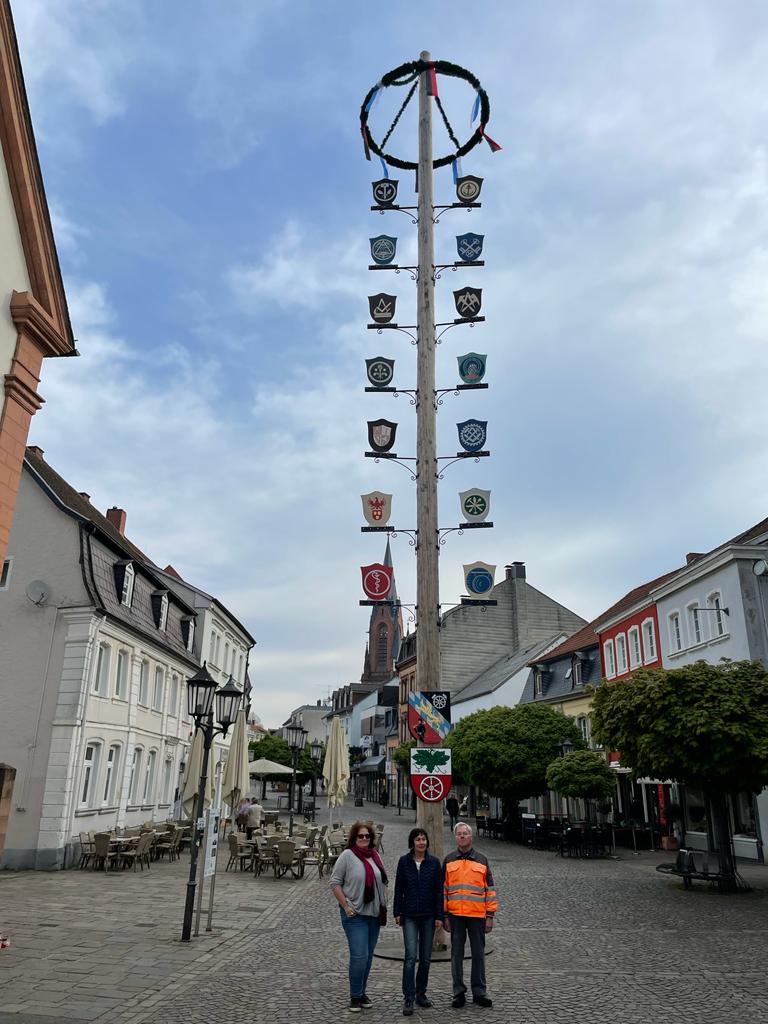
[422, 1000]
[482, 1001]
[365, 1002]
[459, 1001]
[354, 1004]
[408, 1008]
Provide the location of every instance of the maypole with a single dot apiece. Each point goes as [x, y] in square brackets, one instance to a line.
[429, 708]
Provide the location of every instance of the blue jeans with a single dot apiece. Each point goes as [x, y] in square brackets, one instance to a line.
[362, 933]
[418, 933]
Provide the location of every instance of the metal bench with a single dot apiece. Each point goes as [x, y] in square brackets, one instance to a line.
[685, 867]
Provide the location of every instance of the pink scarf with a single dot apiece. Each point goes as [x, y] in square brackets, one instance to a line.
[366, 856]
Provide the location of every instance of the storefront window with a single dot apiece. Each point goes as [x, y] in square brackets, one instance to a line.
[743, 815]
[696, 810]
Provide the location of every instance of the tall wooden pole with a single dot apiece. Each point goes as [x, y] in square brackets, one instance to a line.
[429, 816]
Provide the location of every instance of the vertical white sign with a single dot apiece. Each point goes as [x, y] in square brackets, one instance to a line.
[212, 845]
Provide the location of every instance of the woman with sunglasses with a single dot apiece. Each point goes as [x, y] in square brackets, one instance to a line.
[418, 908]
[359, 883]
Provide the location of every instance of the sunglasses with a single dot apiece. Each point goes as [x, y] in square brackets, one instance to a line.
[363, 835]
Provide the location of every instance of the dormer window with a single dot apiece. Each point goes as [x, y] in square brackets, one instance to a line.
[125, 578]
[160, 608]
[540, 676]
[188, 632]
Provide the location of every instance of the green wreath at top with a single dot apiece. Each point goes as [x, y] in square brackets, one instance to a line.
[409, 73]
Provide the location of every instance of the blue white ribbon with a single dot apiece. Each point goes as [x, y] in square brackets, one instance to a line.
[384, 167]
[456, 167]
[475, 110]
[374, 97]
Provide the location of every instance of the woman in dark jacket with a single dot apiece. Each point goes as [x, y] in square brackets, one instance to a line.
[418, 908]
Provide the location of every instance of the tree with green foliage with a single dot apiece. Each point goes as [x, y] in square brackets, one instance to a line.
[581, 775]
[507, 750]
[702, 725]
[273, 748]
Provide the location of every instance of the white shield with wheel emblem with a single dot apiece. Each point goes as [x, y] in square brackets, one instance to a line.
[431, 773]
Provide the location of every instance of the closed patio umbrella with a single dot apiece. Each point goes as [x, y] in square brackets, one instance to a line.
[237, 781]
[192, 779]
[336, 767]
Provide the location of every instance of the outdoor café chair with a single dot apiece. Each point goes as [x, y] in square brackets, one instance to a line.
[167, 843]
[288, 859]
[264, 855]
[238, 851]
[103, 854]
[140, 852]
[86, 848]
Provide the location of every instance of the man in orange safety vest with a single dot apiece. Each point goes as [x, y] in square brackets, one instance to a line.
[469, 908]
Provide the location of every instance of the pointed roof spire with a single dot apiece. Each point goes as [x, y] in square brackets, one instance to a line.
[392, 595]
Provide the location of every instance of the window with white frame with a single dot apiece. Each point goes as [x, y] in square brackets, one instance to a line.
[621, 653]
[162, 616]
[218, 648]
[675, 632]
[190, 634]
[101, 678]
[111, 774]
[158, 691]
[173, 696]
[5, 573]
[635, 657]
[90, 773]
[610, 659]
[695, 622]
[212, 649]
[129, 578]
[583, 723]
[226, 656]
[718, 622]
[167, 793]
[149, 778]
[134, 787]
[540, 675]
[121, 675]
[649, 641]
[144, 684]
[575, 673]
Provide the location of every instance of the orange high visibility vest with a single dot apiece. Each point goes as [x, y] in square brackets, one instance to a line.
[468, 886]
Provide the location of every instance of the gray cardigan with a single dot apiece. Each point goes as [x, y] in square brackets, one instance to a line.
[349, 873]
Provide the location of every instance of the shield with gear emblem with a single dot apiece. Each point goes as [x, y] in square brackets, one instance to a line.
[472, 434]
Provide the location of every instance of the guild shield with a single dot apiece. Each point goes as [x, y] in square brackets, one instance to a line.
[381, 435]
[377, 508]
[429, 715]
[478, 578]
[377, 580]
[383, 249]
[380, 371]
[472, 434]
[471, 367]
[385, 191]
[475, 504]
[382, 307]
[468, 188]
[431, 773]
[468, 301]
[469, 246]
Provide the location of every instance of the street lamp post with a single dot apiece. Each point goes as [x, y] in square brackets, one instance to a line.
[296, 737]
[201, 690]
[316, 751]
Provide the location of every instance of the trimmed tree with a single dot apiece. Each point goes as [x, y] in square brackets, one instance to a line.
[273, 748]
[507, 750]
[702, 725]
[581, 775]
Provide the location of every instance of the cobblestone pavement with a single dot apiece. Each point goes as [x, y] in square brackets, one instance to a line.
[604, 941]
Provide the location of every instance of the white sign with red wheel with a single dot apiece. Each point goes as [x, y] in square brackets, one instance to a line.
[431, 773]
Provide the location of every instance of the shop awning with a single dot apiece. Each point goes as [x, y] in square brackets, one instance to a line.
[373, 765]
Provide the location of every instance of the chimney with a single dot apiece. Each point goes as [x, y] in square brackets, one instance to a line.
[515, 571]
[83, 494]
[116, 516]
[692, 556]
[32, 449]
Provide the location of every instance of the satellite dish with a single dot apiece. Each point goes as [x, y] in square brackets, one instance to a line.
[38, 592]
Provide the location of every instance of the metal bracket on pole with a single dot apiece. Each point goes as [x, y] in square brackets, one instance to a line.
[393, 458]
[413, 271]
[413, 535]
[458, 458]
[469, 207]
[444, 531]
[474, 600]
[395, 327]
[402, 209]
[455, 390]
[448, 324]
[436, 270]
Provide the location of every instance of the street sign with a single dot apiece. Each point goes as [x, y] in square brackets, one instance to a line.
[430, 773]
[212, 844]
[429, 715]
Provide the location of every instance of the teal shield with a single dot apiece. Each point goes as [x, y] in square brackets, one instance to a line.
[471, 367]
[383, 249]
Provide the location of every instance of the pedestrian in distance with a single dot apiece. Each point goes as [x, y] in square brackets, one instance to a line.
[384, 798]
[452, 806]
[418, 908]
[359, 883]
[470, 904]
[242, 814]
[253, 817]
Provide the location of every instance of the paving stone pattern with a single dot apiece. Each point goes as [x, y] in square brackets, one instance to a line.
[610, 942]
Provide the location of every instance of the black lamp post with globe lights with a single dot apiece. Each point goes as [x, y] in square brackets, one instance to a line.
[316, 752]
[296, 737]
[201, 690]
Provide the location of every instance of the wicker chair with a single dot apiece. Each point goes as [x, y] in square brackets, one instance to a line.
[238, 851]
[103, 856]
[86, 848]
[140, 853]
[288, 859]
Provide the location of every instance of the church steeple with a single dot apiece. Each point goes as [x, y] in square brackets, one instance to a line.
[385, 633]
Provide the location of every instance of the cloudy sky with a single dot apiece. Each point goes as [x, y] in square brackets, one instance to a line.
[210, 196]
